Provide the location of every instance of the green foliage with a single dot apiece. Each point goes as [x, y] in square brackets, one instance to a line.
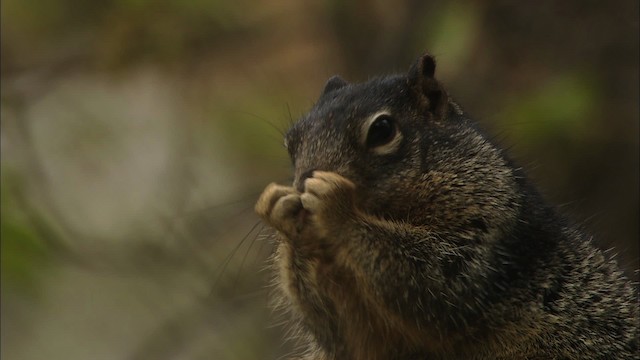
[455, 35]
[23, 253]
[563, 107]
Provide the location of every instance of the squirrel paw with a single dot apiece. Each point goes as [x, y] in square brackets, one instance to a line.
[280, 206]
[327, 202]
[329, 198]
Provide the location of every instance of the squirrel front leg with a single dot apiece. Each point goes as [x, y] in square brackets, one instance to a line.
[386, 258]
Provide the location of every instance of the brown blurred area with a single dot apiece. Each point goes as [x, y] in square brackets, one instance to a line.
[136, 136]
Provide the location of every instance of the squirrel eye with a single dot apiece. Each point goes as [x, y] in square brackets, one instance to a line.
[381, 131]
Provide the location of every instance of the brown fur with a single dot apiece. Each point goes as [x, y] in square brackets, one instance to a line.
[434, 248]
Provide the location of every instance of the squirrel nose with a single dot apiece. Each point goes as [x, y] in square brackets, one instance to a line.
[299, 182]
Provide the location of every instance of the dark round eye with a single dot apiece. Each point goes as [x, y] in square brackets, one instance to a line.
[382, 131]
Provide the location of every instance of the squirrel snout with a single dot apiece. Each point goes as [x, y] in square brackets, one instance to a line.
[298, 183]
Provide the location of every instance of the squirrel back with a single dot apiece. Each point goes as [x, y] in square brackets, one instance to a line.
[408, 234]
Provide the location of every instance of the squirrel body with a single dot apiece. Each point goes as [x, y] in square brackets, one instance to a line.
[407, 234]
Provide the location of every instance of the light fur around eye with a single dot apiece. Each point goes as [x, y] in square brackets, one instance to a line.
[386, 147]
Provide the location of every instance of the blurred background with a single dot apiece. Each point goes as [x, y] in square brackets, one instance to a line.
[136, 136]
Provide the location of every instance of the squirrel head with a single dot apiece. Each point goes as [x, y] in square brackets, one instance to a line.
[409, 149]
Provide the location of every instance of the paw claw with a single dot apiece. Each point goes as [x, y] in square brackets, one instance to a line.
[279, 206]
[317, 186]
[310, 202]
[328, 196]
[286, 207]
[324, 183]
[271, 194]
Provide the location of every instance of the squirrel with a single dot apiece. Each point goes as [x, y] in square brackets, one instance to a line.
[408, 234]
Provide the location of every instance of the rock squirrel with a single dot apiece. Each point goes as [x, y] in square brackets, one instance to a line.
[408, 234]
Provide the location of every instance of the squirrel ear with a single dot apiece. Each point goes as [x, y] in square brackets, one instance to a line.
[425, 67]
[425, 86]
[334, 83]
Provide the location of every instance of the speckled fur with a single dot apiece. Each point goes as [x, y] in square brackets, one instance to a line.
[439, 250]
